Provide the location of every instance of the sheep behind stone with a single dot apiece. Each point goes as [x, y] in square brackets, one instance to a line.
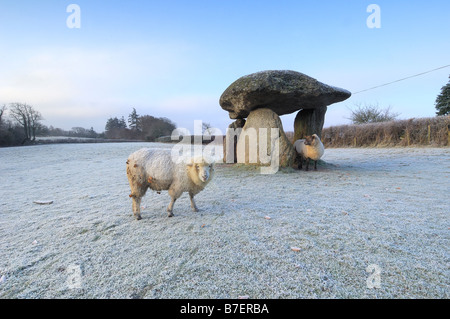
[311, 148]
[155, 169]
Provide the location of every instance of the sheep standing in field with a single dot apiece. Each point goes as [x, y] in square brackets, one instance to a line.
[311, 148]
[155, 169]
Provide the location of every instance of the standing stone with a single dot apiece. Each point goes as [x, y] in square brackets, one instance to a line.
[238, 124]
[264, 119]
[309, 122]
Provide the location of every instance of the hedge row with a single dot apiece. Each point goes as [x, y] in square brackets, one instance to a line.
[432, 131]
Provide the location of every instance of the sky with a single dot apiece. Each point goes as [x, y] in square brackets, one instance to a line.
[174, 59]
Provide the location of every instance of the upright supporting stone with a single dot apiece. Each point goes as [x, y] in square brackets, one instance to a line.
[309, 122]
[258, 120]
[232, 130]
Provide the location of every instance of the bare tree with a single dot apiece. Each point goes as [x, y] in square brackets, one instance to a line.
[2, 110]
[207, 128]
[27, 117]
[371, 114]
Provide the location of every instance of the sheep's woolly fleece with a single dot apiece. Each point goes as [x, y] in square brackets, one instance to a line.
[365, 214]
[314, 151]
[159, 170]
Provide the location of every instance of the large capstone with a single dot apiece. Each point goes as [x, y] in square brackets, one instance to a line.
[283, 92]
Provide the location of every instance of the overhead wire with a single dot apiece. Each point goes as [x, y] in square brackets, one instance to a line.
[409, 77]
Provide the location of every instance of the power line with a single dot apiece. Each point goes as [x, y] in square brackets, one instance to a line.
[409, 77]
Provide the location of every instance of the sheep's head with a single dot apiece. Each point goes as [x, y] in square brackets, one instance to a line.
[311, 140]
[200, 171]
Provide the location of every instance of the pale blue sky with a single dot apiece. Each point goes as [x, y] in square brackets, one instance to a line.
[175, 58]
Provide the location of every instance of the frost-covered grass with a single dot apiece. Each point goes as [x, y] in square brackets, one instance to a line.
[384, 207]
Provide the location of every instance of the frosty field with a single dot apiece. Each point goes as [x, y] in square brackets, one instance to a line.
[370, 223]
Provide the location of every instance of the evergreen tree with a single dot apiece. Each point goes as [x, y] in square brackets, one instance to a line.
[111, 124]
[115, 128]
[122, 123]
[133, 120]
[443, 100]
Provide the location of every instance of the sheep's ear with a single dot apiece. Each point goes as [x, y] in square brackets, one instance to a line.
[191, 163]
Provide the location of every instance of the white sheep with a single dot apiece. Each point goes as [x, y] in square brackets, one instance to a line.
[311, 148]
[155, 169]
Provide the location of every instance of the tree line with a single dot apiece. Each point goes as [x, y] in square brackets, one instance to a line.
[140, 127]
[20, 124]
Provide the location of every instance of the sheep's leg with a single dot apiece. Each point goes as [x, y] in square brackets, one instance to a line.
[193, 206]
[300, 162]
[170, 207]
[174, 195]
[137, 207]
[172, 202]
[138, 189]
[315, 165]
[307, 165]
[136, 196]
